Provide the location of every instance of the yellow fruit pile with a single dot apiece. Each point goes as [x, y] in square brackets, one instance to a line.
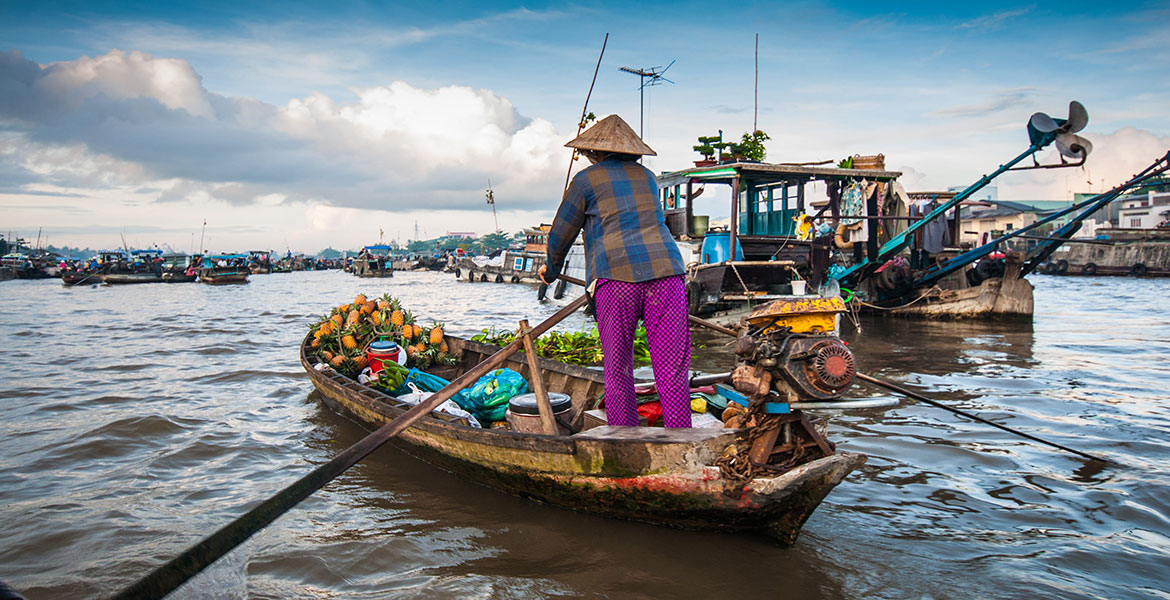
[340, 338]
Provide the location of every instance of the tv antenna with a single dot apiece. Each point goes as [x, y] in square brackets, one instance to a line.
[490, 196]
[648, 77]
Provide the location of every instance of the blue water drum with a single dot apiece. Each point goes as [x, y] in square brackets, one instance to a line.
[716, 248]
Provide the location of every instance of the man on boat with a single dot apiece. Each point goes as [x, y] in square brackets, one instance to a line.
[634, 268]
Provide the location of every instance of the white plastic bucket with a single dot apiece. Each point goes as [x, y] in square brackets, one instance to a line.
[798, 287]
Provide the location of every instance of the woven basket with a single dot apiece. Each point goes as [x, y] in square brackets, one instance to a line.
[876, 162]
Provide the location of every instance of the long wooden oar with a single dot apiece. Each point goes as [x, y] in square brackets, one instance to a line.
[916, 396]
[919, 397]
[543, 288]
[166, 578]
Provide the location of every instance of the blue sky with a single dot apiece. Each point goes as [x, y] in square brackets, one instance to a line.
[317, 123]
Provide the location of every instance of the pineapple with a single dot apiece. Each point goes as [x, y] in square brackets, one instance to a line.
[317, 334]
[316, 342]
[349, 342]
[436, 336]
[397, 318]
[360, 299]
[338, 320]
[376, 317]
[353, 318]
[361, 361]
[327, 355]
[337, 360]
[383, 305]
[443, 347]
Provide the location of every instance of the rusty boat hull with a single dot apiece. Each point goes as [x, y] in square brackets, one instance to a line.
[655, 475]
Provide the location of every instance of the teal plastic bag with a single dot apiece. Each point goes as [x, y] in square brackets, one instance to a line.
[429, 383]
[488, 398]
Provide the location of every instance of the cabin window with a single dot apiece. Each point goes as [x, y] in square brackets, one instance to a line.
[518, 264]
[1137, 223]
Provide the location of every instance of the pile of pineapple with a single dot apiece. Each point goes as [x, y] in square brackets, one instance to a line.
[340, 337]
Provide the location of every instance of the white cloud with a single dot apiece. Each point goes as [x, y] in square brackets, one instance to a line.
[150, 119]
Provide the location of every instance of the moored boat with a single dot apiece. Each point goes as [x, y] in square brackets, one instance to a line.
[663, 476]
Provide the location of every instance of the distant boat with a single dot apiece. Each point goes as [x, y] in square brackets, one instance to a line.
[219, 269]
[374, 261]
[143, 267]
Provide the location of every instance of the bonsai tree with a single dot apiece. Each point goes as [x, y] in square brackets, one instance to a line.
[707, 145]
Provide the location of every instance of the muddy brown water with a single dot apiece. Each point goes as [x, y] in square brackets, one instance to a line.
[136, 419]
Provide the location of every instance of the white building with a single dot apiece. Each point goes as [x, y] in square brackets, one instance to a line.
[1145, 211]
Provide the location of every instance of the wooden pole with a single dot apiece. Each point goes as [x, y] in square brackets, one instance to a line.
[585, 109]
[734, 217]
[756, 100]
[547, 420]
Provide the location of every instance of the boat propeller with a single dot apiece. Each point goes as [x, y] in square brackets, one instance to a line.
[1043, 130]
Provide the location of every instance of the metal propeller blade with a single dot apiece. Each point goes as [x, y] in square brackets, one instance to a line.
[1043, 123]
[1072, 145]
[1078, 117]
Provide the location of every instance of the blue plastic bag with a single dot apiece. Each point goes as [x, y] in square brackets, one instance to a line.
[488, 398]
[428, 383]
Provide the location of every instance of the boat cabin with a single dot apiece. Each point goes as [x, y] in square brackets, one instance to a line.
[769, 241]
[536, 239]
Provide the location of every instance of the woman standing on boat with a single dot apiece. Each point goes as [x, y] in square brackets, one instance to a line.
[633, 266]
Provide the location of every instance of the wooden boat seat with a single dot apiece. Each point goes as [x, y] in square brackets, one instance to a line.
[653, 435]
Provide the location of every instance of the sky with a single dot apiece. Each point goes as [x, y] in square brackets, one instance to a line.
[327, 124]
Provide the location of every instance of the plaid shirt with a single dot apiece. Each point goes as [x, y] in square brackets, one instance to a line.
[615, 203]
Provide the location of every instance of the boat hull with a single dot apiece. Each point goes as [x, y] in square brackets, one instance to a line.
[129, 278]
[1008, 296]
[223, 278]
[994, 298]
[644, 474]
[74, 278]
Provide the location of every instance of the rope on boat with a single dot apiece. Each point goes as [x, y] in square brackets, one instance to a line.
[928, 292]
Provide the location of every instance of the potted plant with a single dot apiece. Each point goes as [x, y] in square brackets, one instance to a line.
[751, 146]
[706, 147]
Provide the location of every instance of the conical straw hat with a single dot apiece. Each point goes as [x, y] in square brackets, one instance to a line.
[611, 134]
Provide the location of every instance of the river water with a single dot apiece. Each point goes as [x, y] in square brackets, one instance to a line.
[135, 420]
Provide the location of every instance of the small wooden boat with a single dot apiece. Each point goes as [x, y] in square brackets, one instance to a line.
[223, 275]
[374, 261]
[656, 475]
[220, 269]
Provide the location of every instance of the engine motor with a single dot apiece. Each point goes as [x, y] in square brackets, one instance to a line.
[790, 346]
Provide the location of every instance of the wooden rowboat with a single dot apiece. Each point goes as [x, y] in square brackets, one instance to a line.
[656, 475]
[223, 275]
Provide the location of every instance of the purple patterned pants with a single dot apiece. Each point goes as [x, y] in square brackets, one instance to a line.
[662, 305]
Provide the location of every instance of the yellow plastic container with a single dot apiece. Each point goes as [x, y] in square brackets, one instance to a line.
[811, 314]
